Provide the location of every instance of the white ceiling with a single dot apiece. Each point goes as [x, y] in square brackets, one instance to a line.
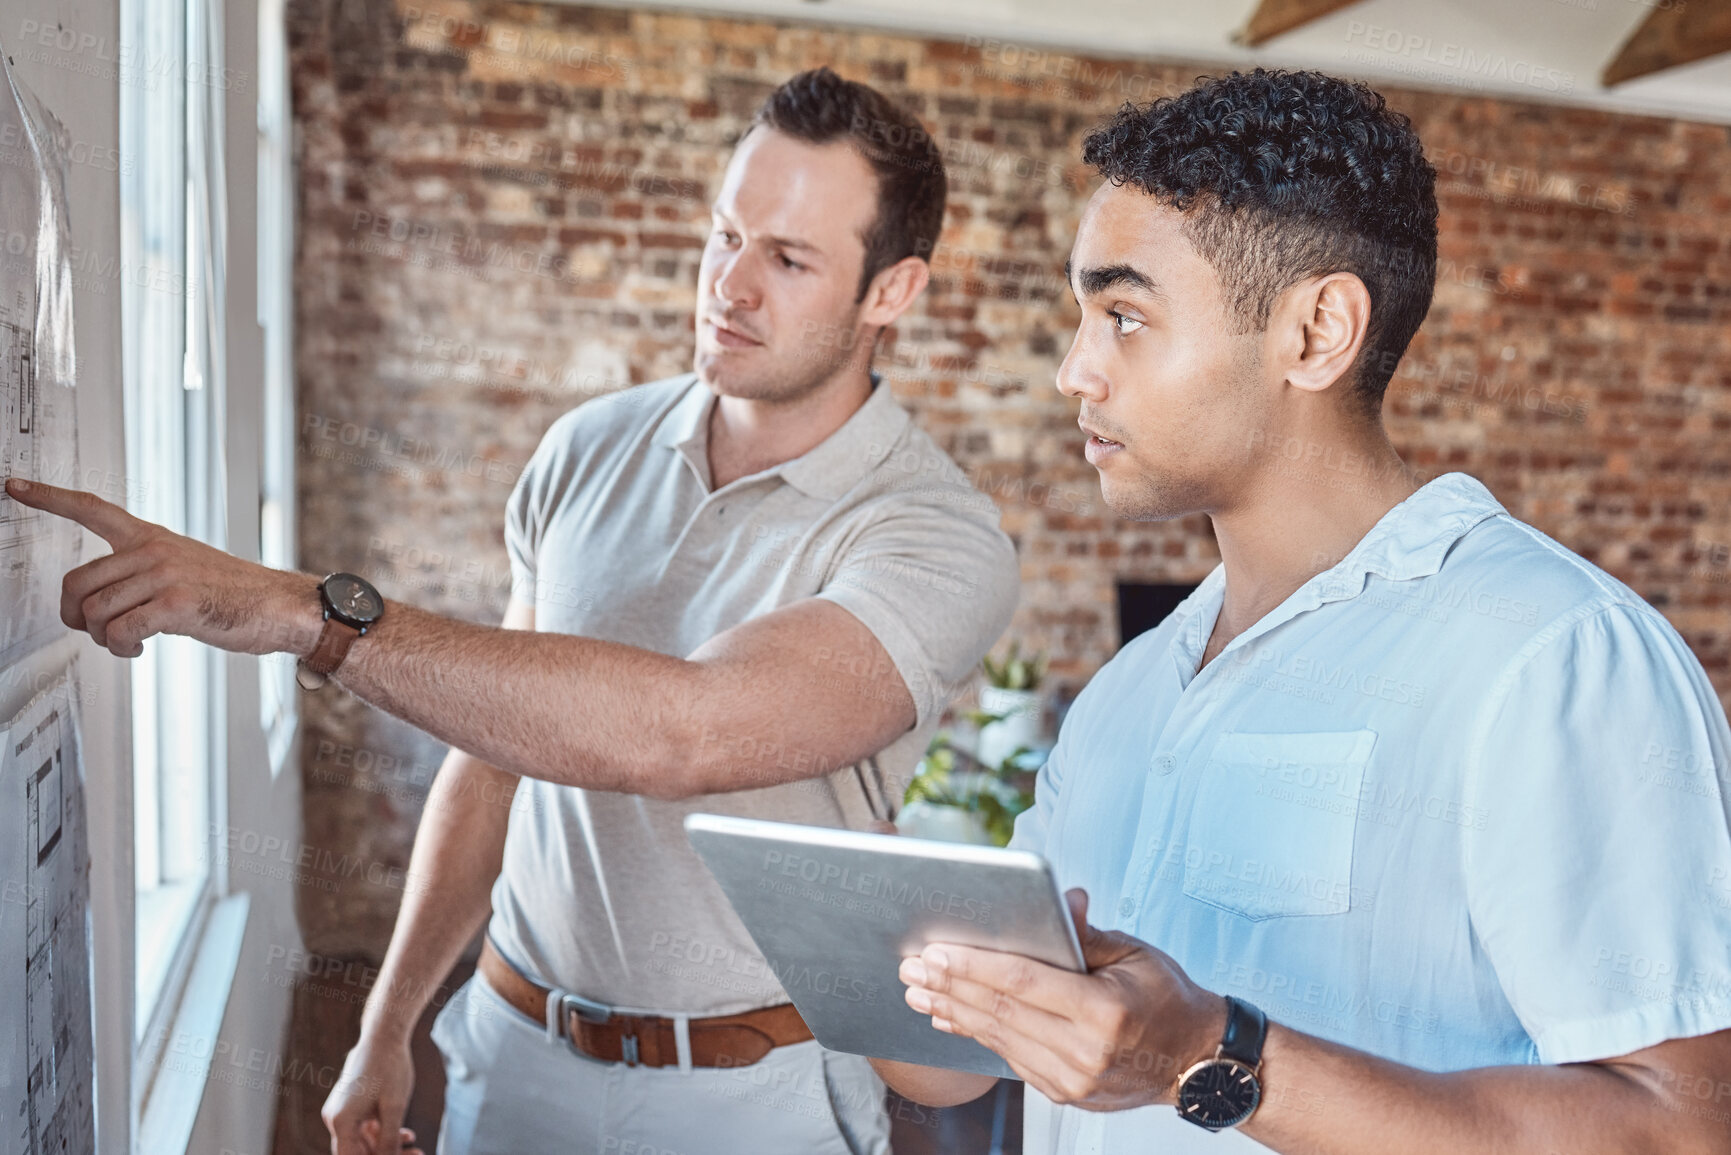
[1543, 50]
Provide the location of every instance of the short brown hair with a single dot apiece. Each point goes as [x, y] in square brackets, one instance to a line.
[819, 107]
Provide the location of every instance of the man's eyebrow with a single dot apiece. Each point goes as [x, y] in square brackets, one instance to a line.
[716, 210]
[794, 243]
[1098, 280]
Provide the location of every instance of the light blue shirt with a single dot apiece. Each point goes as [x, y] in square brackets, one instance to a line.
[1459, 802]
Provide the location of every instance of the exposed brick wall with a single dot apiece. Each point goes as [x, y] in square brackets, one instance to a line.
[502, 207]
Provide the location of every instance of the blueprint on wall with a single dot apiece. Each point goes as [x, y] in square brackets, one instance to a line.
[46, 1054]
[38, 434]
[46, 1060]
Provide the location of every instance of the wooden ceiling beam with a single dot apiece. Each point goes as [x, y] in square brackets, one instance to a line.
[1675, 32]
[1274, 17]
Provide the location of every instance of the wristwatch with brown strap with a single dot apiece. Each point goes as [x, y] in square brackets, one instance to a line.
[352, 607]
[600, 1032]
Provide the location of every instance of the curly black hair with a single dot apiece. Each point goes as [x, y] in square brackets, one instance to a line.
[1287, 175]
[818, 107]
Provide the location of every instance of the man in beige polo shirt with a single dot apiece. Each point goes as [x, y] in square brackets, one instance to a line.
[752, 590]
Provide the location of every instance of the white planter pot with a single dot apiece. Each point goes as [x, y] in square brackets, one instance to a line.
[922, 819]
[1022, 710]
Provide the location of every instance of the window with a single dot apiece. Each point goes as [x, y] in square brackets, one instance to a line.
[277, 693]
[172, 224]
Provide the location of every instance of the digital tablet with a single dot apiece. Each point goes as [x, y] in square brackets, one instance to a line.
[834, 912]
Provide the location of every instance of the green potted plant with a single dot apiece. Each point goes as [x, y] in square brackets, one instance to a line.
[1012, 696]
[955, 797]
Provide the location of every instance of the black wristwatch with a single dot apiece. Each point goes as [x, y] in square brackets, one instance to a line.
[1223, 1091]
[352, 606]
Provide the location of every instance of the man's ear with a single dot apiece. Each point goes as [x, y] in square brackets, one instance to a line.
[1319, 327]
[893, 290]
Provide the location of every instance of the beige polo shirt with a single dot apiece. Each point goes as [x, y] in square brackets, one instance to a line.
[614, 531]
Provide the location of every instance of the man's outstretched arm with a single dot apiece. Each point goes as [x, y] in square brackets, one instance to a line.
[789, 695]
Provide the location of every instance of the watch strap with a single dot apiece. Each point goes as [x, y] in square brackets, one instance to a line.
[1246, 1030]
[333, 646]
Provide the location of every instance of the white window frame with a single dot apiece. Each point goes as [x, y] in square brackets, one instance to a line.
[279, 696]
[173, 225]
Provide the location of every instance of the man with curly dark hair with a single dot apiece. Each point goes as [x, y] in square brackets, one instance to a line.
[1407, 831]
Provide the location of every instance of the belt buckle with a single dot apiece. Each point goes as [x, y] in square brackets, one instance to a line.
[591, 1011]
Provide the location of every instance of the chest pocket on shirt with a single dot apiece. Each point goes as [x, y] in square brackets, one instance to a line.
[1272, 825]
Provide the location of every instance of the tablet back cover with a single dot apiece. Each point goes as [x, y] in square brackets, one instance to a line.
[834, 912]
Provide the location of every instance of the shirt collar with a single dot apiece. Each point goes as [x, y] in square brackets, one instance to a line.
[1409, 541]
[838, 462]
[827, 470]
[685, 428]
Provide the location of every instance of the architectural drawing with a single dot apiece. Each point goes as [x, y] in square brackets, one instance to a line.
[46, 1055]
[38, 437]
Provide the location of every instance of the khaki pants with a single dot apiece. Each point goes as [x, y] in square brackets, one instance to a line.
[510, 1091]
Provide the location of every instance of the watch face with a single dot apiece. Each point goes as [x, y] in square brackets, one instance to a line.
[353, 600]
[1218, 1093]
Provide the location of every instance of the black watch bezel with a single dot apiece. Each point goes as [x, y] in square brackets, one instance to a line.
[1216, 1094]
[366, 617]
[1224, 1090]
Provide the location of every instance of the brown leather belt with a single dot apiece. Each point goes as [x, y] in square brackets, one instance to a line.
[647, 1040]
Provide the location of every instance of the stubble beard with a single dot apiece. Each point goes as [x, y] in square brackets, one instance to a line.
[1152, 497]
[776, 379]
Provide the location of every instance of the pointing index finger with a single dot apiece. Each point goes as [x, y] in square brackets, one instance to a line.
[103, 518]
